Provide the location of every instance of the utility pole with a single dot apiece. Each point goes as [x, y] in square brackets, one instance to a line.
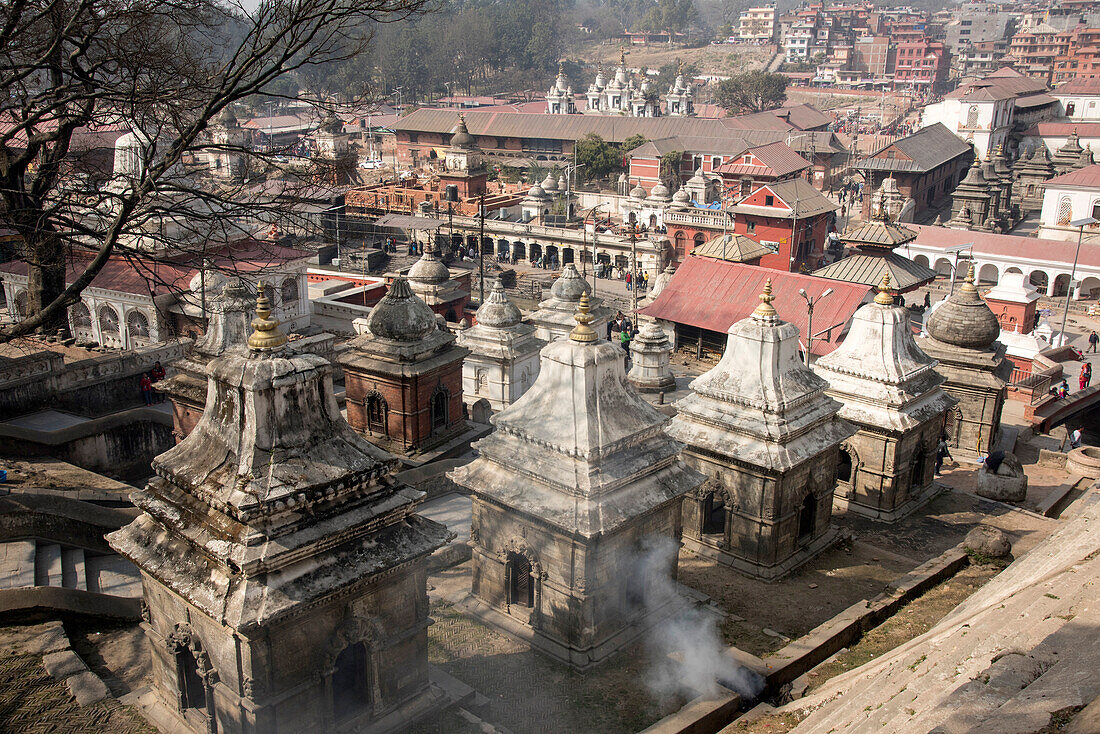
[634, 267]
[481, 248]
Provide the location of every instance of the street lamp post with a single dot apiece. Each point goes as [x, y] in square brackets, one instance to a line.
[584, 246]
[1080, 224]
[634, 265]
[957, 250]
[810, 303]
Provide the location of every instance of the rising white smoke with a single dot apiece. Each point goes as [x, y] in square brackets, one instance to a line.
[689, 654]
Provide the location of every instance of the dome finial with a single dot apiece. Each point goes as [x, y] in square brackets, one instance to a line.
[765, 310]
[582, 332]
[968, 282]
[561, 67]
[266, 335]
[884, 298]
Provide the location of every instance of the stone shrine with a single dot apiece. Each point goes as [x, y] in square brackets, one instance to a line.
[961, 334]
[891, 392]
[577, 481]
[504, 353]
[761, 428]
[283, 568]
[430, 280]
[404, 376]
[554, 317]
[650, 350]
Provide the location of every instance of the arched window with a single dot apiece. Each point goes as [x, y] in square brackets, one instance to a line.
[714, 515]
[678, 241]
[972, 116]
[1065, 211]
[137, 324]
[521, 585]
[844, 466]
[481, 382]
[108, 321]
[439, 409]
[807, 517]
[81, 317]
[351, 681]
[698, 240]
[289, 291]
[376, 414]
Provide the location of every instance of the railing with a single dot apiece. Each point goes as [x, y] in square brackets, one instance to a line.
[1036, 386]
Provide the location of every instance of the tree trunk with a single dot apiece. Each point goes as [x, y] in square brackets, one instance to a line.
[46, 280]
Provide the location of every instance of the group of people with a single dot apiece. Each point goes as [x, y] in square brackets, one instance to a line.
[642, 282]
[620, 331]
[147, 382]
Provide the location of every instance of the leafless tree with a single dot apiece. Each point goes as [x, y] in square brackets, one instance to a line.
[72, 69]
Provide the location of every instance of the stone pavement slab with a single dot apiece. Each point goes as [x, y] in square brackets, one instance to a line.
[62, 664]
[86, 688]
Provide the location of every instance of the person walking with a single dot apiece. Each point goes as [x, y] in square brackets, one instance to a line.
[1088, 373]
[628, 281]
[941, 454]
[1093, 341]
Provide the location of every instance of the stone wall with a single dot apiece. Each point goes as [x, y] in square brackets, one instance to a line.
[89, 387]
[120, 444]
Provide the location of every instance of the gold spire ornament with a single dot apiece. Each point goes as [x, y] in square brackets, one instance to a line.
[884, 298]
[582, 332]
[765, 310]
[266, 335]
[968, 283]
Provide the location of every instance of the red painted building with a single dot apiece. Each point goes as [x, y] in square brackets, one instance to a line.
[791, 218]
[921, 64]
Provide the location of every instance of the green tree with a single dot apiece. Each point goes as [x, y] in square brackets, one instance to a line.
[671, 163]
[598, 157]
[752, 91]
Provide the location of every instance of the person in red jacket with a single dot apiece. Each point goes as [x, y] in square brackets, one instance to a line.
[146, 384]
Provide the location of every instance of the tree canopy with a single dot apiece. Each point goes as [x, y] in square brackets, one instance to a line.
[751, 91]
[600, 158]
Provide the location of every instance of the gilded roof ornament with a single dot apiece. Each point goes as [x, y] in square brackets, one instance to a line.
[266, 335]
[582, 332]
[884, 298]
[766, 310]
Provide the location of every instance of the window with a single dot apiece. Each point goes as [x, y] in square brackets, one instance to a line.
[972, 116]
[192, 687]
[769, 201]
[807, 518]
[521, 587]
[1065, 211]
[376, 414]
[289, 290]
[844, 467]
[350, 681]
[82, 317]
[108, 321]
[750, 226]
[138, 325]
[439, 409]
[1096, 210]
[714, 515]
[1070, 108]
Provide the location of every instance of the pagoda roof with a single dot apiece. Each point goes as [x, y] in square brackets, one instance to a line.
[865, 269]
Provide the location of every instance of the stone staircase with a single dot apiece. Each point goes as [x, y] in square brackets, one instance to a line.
[39, 563]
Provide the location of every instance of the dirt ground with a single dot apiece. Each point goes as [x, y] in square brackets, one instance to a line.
[795, 604]
[117, 652]
[719, 60]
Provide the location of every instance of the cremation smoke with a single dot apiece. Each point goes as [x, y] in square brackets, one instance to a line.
[689, 654]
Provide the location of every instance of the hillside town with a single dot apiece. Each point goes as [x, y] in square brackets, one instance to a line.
[695, 367]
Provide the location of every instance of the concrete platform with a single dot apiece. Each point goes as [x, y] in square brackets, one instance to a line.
[47, 420]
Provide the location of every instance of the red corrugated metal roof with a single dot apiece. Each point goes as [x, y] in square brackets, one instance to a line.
[1088, 176]
[1004, 245]
[712, 294]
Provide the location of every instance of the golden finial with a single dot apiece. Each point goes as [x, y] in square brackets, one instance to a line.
[622, 56]
[266, 335]
[561, 67]
[765, 310]
[679, 67]
[884, 298]
[582, 332]
[968, 283]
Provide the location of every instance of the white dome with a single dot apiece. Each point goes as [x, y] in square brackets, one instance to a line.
[637, 192]
[549, 184]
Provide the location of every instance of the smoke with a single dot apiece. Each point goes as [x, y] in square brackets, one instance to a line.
[690, 657]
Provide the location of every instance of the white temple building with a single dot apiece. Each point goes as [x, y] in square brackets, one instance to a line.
[554, 316]
[504, 353]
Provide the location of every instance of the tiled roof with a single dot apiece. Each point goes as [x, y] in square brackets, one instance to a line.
[1063, 129]
[1088, 176]
[868, 270]
[612, 128]
[734, 248]
[144, 277]
[1006, 245]
[929, 148]
[1035, 100]
[1079, 86]
[713, 294]
[879, 232]
[776, 159]
[810, 202]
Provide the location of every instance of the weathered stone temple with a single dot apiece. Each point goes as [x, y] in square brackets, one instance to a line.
[576, 482]
[761, 428]
[404, 376]
[962, 336]
[283, 569]
[891, 392]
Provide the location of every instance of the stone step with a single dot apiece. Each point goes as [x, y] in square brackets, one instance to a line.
[47, 564]
[113, 575]
[73, 573]
[16, 564]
